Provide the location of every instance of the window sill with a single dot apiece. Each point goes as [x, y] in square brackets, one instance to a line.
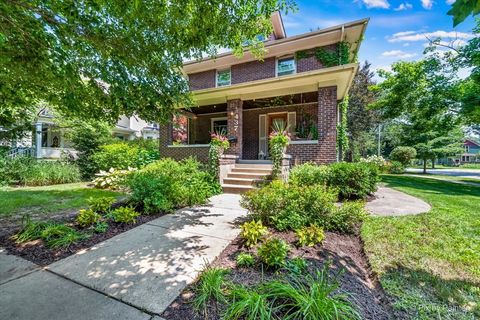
[304, 142]
[188, 146]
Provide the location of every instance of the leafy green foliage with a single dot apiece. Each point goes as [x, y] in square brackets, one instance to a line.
[124, 155]
[289, 207]
[310, 236]
[104, 59]
[124, 215]
[273, 252]
[346, 217]
[248, 304]
[167, 184]
[342, 137]
[87, 217]
[112, 179]
[312, 298]
[308, 174]
[100, 227]
[353, 180]
[461, 9]
[210, 287]
[296, 265]
[28, 171]
[329, 57]
[60, 236]
[100, 204]
[31, 230]
[404, 155]
[245, 260]
[278, 141]
[395, 167]
[252, 232]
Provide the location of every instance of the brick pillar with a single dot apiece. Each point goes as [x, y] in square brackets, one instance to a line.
[235, 126]
[327, 123]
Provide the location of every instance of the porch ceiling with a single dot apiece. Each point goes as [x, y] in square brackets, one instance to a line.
[340, 76]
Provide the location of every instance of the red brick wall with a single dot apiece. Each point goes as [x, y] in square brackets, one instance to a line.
[326, 149]
[250, 126]
[178, 153]
[310, 62]
[254, 70]
[202, 80]
[235, 125]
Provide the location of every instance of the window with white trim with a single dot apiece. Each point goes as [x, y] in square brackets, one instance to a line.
[286, 66]
[224, 78]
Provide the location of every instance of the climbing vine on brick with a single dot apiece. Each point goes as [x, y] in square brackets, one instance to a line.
[342, 138]
[329, 57]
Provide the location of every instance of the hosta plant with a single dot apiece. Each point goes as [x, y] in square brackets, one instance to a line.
[112, 179]
[252, 232]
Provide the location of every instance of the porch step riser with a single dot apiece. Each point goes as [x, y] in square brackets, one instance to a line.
[255, 176]
[236, 189]
[252, 170]
[242, 182]
[253, 166]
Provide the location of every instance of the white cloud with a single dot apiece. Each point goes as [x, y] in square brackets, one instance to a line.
[427, 4]
[403, 6]
[450, 1]
[398, 54]
[418, 36]
[406, 44]
[376, 4]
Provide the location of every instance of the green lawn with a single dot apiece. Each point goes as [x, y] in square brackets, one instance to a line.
[429, 263]
[462, 179]
[48, 199]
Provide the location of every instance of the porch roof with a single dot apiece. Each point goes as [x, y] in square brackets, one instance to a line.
[340, 76]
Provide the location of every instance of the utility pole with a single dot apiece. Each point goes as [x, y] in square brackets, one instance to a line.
[379, 139]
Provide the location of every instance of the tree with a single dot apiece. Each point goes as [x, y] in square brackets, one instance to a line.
[361, 120]
[420, 97]
[104, 58]
[461, 9]
[403, 155]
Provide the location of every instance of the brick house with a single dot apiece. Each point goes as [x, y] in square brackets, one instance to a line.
[299, 82]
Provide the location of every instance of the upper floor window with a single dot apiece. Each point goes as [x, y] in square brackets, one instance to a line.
[467, 148]
[286, 66]
[224, 78]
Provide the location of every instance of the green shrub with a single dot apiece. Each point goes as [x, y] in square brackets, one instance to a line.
[395, 167]
[289, 207]
[311, 297]
[167, 184]
[210, 288]
[57, 235]
[346, 217]
[248, 304]
[32, 172]
[245, 259]
[310, 236]
[273, 252]
[404, 155]
[86, 218]
[124, 215]
[112, 179]
[252, 232]
[296, 265]
[100, 227]
[308, 174]
[353, 180]
[101, 204]
[122, 155]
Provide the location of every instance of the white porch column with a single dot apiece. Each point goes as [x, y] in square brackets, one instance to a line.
[38, 140]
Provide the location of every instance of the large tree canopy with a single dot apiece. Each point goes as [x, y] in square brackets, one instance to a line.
[103, 58]
[461, 9]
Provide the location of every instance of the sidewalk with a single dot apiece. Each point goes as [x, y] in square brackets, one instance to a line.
[134, 275]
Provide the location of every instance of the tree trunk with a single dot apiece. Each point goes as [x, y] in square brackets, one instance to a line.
[433, 163]
[424, 165]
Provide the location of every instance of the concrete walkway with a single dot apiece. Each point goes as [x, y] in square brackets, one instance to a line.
[134, 275]
[390, 202]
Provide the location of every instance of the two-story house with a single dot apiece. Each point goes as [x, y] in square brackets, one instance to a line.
[299, 82]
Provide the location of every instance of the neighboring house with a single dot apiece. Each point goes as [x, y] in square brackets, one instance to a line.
[299, 82]
[471, 152]
[49, 141]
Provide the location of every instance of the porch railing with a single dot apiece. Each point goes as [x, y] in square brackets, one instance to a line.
[21, 152]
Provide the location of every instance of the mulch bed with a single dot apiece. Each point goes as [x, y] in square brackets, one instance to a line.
[343, 252]
[37, 252]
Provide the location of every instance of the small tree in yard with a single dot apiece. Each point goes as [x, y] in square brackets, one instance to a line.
[437, 147]
[403, 155]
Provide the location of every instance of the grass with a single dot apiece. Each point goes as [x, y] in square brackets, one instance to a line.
[48, 199]
[430, 263]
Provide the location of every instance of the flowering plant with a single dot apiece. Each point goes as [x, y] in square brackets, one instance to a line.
[219, 139]
[112, 179]
[278, 141]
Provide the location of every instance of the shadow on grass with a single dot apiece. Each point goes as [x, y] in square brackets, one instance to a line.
[417, 294]
[430, 185]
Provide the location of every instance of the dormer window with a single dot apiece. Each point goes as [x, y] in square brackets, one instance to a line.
[224, 78]
[286, 66]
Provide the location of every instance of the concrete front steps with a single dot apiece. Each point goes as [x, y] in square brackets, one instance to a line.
[244, 176]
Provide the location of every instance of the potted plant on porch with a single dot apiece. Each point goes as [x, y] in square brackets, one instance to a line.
[278, 141]
[218, 144]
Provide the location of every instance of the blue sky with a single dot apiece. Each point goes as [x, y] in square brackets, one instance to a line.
[396, 30]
